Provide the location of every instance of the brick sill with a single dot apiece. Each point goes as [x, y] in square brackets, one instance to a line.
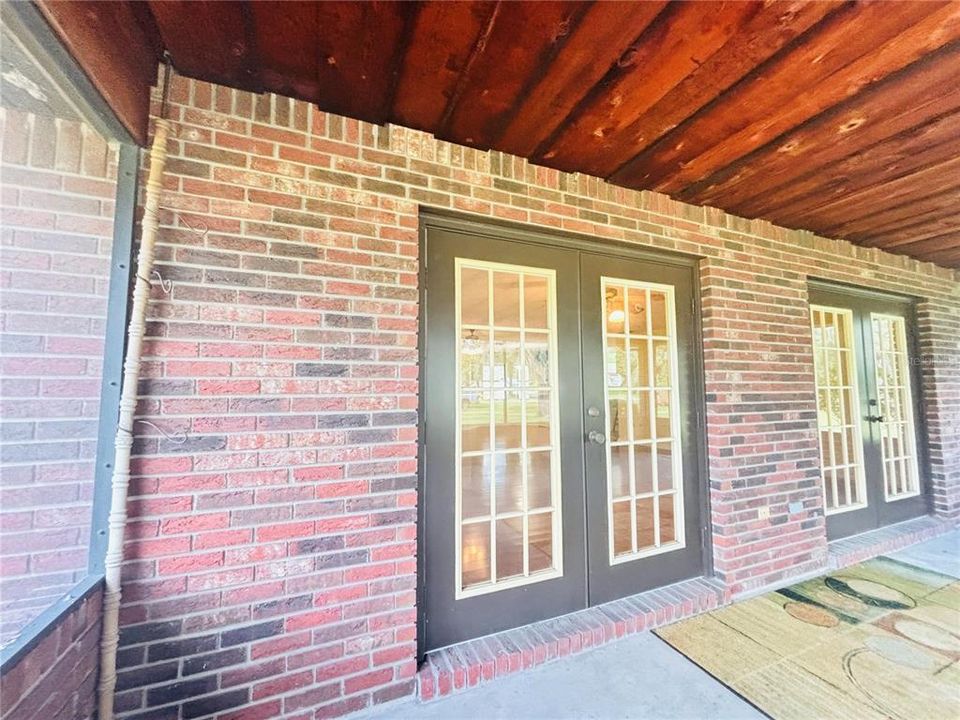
[852, 550]
[479, 661]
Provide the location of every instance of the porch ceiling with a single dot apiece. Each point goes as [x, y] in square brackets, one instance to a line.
[841, 118]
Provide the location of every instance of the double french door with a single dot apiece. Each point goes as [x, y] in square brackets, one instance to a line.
[561, 448]
[867, 410]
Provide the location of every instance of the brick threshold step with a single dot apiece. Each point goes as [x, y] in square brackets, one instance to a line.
[479, 661]
[852, 550]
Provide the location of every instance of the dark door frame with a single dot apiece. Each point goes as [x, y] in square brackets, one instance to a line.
[909, 304]
[530, 234]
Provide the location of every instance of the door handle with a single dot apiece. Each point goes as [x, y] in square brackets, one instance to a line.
[875, 418]
[597, 437]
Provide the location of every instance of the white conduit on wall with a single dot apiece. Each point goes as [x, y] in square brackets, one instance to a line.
[124, 440]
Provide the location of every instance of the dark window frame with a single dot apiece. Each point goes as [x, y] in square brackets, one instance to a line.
[26, 21]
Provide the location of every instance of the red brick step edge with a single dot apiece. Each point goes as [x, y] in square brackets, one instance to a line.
[472, 663]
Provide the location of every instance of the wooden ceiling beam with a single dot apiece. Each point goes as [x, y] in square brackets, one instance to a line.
[504, 70]
[281, 42]
[595, 45]
[641, 106]
[460, 86]
[933, 207]
[117, 50]
[207, 40]
[680, 39]
[935, 243]
[913, 186]
[443, 38]
[360, 46]
[910, 234]
[838, 117]
[947, 258]
[828, 179]
[850, 50]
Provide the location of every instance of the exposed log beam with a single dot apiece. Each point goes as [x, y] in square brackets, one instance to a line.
[852, 49]
[502, 71]
[935, 207]
[116, 51]
[913, 186]
[595, 45]
[443, 38]
[903, 105]
[838, 117]
[641, 106]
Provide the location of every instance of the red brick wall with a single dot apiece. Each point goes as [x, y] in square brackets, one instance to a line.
[271, 558]
[56, 211]
[56, 679]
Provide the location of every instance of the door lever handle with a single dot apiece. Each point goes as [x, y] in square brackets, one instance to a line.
[596, 437]
[875, 418]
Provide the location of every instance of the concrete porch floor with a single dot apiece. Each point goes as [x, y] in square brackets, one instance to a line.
[639, 676]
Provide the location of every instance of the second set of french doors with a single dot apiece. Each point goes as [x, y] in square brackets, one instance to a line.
[867, 409]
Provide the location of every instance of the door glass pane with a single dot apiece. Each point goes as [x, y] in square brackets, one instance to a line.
[621, 527]
[537, 407]
[475, 421]
[661, 409]
[510, 548]
[475, 553]
[474, 295]
[618, 419]
[616, 356]
[639, 469]
[474, 358]
[535, 302]
[637, 311]
[665, 479]
[640, 375]
[641, 415]
[506, 299]
[838, 413]
[540, 541]
[509, 482]
[508, 471]
[658, 314]
[507, 420]
[661, 363]
[895, 406]
[615, 316]
[620, 470]
[537, 360]
[646, 521]
[539, 490]
[476, 479]
[667, 513]
[507, 361]
[643, 468]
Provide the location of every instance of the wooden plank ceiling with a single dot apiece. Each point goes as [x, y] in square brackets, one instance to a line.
[837, 117]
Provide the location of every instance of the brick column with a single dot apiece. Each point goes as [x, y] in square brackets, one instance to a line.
[939, 331]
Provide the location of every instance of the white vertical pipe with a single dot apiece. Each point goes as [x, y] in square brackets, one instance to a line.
[124, 440]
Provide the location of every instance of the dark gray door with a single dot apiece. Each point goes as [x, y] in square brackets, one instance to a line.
[503, 521]
[869, 410]
[642, 462]
[520, 368]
